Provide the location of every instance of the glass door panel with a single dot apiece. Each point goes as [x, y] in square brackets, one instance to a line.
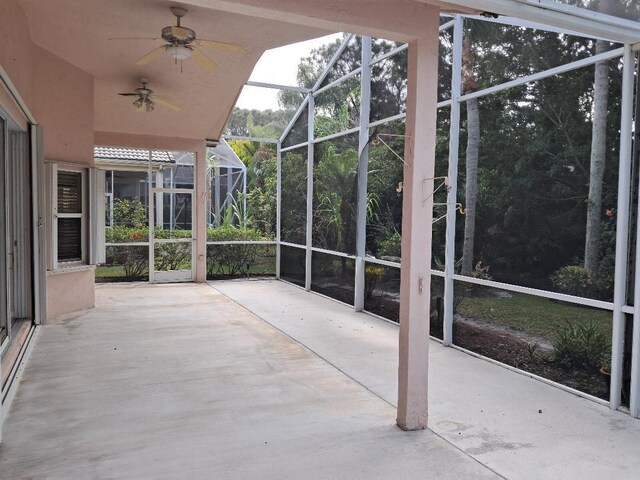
[4, 310]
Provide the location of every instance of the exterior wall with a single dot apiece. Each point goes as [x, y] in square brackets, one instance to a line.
[70, 292]
[15, 57]
[60, 97]
[63, 105]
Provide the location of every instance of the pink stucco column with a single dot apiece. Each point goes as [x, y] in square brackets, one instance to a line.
[417, 212]
[201, 214]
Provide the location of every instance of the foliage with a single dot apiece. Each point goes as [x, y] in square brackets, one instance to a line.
[133, 260]
[172, 256]
[373, 273]
[120, 234]
[129, 213]
[258, 123]
[533, 168]
[582, 345]
[391, 246]
[231, 259]
[336, 178]
[573, 280]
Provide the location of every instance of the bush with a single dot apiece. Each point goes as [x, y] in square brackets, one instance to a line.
[133, 260]
[129, 213]
[120, 234]
[390, 247]
[573, 280]
[582, 345]
[172, 256]
[231, 259]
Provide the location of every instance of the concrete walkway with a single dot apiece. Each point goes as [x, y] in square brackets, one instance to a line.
[517, 426]
[180, 382]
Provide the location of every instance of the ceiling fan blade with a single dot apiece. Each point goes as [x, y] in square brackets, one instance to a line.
[134, 38]
[128, 94]
[224, 47]
[201, 59]
[166, 102]
[151, 56]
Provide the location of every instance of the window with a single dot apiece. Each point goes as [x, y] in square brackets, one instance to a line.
[69, 218]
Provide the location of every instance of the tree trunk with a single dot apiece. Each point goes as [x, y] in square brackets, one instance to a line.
[471, 185]
[597, 162]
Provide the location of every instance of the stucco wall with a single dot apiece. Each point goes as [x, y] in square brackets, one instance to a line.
[60, 97]
[15, 56]
[63, 105]
[70, 292]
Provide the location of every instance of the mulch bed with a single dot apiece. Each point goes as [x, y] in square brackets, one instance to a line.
[505, 346]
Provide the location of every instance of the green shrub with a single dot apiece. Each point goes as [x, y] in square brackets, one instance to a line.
[582, 345]
[231, 259]
[134, 260]
[120, 234]
[390, 247]
[172, 256]
[129, 213]
[573, 280]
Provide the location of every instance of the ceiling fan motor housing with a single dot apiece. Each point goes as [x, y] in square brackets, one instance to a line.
[178, 35]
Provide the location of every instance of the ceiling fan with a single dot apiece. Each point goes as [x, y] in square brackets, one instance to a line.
[147, 99]
[182, 44]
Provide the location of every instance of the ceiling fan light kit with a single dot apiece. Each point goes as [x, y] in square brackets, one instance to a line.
[178, 52]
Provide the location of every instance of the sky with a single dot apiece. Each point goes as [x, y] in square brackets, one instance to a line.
[280, 66]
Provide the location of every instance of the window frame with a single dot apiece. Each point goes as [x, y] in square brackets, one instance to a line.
[58, 264]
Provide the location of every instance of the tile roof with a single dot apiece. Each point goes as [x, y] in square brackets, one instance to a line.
[131, 154]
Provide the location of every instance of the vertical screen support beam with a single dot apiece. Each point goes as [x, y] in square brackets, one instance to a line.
[150, 220]
[363, 170]
[417, 216]
[216, 187]
[626, 147]
[200, 199]
[309, 217]
[622, 228]
[454, 145]
[278, 206]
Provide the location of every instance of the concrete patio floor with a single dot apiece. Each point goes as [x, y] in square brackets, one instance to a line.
[183, 381]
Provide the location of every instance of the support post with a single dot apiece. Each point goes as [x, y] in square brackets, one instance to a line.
[172, 216]
[454, 145]
[309, 217]
[363, 171]
[622, 229]
[229, 199]
[200, 227]
[244, 192]
[417, 215]
[150, 221]
[278, 206]
[626, 142]
[216, 187]
[158, 199]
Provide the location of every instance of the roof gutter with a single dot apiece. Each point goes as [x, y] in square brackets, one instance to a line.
[559, 15]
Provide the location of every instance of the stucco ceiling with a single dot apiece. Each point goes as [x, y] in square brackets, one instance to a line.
[81, 32]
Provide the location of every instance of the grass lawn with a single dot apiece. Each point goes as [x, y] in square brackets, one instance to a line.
[536, 315]
[116, 273]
